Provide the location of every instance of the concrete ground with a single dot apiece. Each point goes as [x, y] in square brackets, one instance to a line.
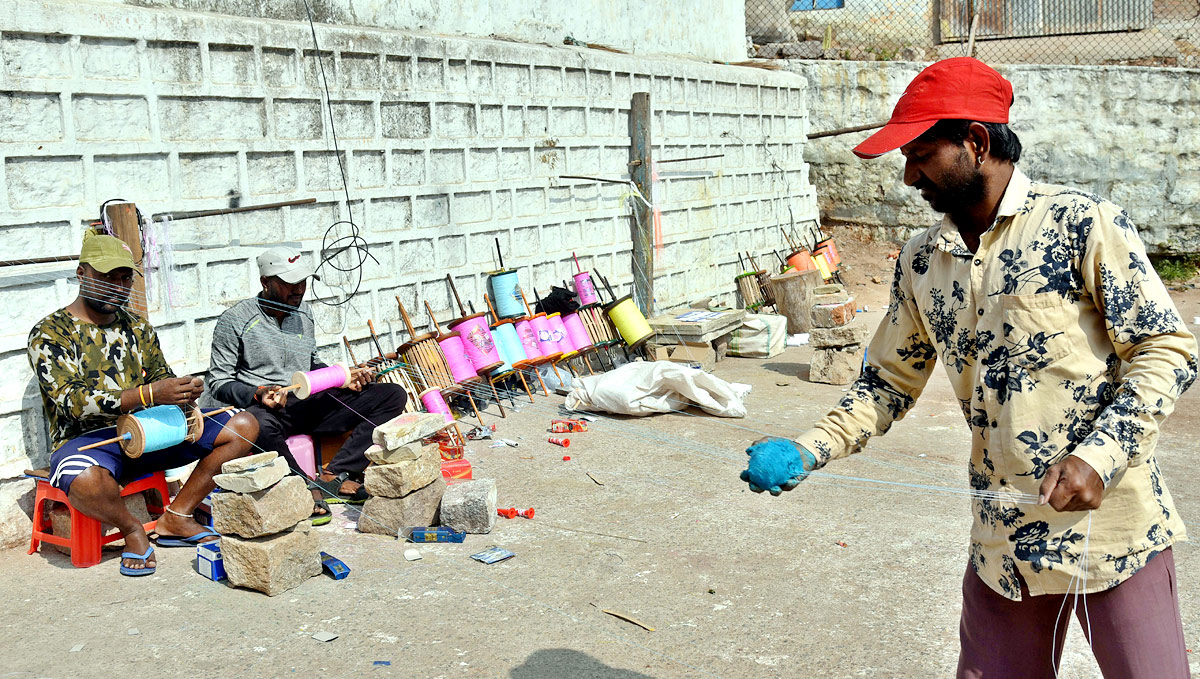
[827, 581]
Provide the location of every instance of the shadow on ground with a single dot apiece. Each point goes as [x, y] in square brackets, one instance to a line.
[554, 663]
[789, 369]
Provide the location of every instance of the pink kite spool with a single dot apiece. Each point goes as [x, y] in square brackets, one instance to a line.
[577, 332]
[528, 337]
[545, 336]
[321, 379]
[560, 333]
[461, 368]
[585, 288]
[435, 403]
[477, 338]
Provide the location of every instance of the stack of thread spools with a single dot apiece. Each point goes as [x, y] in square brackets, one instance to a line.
[436, 361]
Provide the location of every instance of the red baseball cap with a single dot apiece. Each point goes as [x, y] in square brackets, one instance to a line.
[961, 88]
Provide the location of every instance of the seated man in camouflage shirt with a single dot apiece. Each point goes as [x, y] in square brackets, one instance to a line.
[95, 360]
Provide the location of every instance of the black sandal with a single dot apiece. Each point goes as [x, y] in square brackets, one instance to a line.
[333, 487]
[317, 518]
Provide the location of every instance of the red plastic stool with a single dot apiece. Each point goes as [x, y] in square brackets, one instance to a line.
[86, 538]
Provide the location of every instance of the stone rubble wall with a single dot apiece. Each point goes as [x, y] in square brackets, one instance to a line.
[1123, 132]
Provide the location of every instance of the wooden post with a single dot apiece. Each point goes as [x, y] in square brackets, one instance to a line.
[642, 229]
[124, 220]
[794, 298]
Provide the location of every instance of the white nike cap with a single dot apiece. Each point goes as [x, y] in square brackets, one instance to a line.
[289, 264]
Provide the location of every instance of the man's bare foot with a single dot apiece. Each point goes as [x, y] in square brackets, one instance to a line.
[318, 510]
[138, 542]
[171, 525]
[348, 487]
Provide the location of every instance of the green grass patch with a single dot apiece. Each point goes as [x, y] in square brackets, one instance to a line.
[1177, 268]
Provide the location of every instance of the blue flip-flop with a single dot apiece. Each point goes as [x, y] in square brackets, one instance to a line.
[189, 541]
[145, 558]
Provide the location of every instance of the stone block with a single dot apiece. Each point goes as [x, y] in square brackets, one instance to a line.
[252, 515]
[254, 479]
[35, 56]
[830, 289]
[272, 564]
[60, 520]
[832, 315]
[409, 451]
[354, 119]
[405, 120]
[407, 428]
[446, 166]
[298, 119]
[207, 175]
[402, 478]
[205, 118]
[174, 61]
[471, 207]
[830, 297]
[231, 64]
[30, 117]
[836, 366]
[271, 173]
[470, 506]
[241, 464]
[456, 120]
[842, 336]
[44, 181]
[387, 515]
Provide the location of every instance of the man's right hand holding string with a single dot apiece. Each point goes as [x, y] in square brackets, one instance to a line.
[777, 464]
[271, 396]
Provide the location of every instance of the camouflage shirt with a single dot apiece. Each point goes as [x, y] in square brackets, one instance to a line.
[83, 368]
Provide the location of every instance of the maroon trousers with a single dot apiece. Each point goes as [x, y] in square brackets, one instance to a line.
[1136, 631]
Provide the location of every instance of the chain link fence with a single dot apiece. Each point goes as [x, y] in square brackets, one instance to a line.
[1127, 32]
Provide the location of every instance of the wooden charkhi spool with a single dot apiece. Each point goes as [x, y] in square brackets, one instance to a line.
[425, 356]
[130, 426]
[131, 432]
[747, 287]
[764, 282]
[387, 369]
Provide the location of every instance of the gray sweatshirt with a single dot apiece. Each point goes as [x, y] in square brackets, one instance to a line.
[251, 349]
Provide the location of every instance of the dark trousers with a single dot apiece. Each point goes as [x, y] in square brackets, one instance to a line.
[331, 412]
[1134, 628]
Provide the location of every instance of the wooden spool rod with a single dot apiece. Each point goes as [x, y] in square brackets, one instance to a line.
[461, 310]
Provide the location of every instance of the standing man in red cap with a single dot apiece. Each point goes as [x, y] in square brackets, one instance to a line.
[1066, 355]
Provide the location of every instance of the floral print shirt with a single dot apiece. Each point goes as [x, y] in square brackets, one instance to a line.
[1059, 339]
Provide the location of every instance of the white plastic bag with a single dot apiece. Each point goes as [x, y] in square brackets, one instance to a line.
[657, 387]
[759, 336]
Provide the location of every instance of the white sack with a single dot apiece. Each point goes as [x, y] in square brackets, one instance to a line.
[661, 386]
[759, 336]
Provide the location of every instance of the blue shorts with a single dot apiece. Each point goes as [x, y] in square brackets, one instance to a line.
[67, 462]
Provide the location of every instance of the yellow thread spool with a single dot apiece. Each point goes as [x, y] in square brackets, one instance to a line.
[629, 321]
[823, 267]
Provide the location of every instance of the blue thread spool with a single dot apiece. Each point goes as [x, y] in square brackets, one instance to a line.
[504, 286]
[158, 428]
[509, 345]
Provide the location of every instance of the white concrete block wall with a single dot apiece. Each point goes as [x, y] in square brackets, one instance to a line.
[1126, 133]
[448, 144]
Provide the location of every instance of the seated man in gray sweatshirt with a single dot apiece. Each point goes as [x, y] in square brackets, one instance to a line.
[259, 342]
